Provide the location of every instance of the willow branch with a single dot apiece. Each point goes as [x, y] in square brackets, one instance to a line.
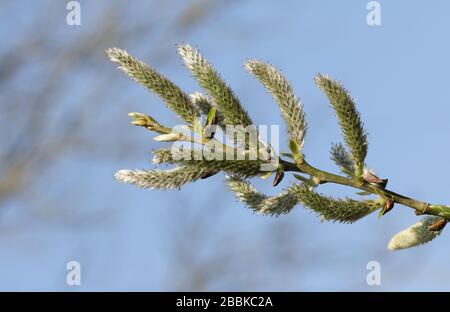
[420, 207]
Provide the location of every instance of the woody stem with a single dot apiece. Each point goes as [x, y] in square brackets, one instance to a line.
[327, 177]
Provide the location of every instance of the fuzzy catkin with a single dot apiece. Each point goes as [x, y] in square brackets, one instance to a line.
[261, 203]
[242, 168]
[349, 119]
[415, 235]
[342, 158]
[341, 210]
[161, 179]
[283, 93]
[144, 74]
[227, 103]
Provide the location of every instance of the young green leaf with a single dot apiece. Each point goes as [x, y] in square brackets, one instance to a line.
[204, 105]
[210, 127]
[296, 151]
[267, 175]
[211, 116]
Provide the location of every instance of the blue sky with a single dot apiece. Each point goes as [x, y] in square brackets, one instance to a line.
[396, 71]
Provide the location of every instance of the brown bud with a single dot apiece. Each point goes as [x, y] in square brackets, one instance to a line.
[437, 226]
[209, 174]
[278, 178]
[371, 178]
[387, 207]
